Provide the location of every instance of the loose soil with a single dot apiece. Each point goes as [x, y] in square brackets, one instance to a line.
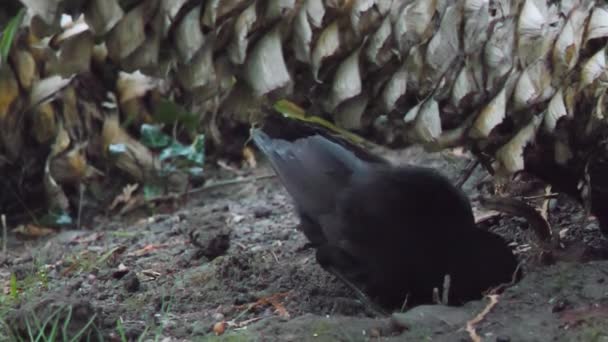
[228, 264]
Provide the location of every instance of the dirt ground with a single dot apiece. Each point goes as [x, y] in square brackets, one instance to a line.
[227, 264]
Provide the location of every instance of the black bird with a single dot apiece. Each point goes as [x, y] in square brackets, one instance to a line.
[392, 231]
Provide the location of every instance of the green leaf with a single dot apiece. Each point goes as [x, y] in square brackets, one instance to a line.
[152, 191]
[198, 148]
[293, 111]
[153, 136]
[174, 150]
[56, 219]
[121, 330]
[195, 153]
[169, 112]
[8, 35]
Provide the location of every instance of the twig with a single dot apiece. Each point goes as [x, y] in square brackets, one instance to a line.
[514, 278]
[520, 208]
[220, 184]
[468, 171]
[471, 324]
[198, 190]
[447, 281]
[545, 196]
[404, 305]
[246, 322]
[545, 207]
[276, 258]
[81, 188]
[212, 186]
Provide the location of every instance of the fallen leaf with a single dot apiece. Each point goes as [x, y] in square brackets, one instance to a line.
[280, 309]
[470, 328]
[147, 249]
[85, 239]
[126, 196]
[219, 328]
[32, 231]
[273, 300]
[249, 157]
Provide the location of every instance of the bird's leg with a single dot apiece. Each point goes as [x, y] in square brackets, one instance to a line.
[372, 307]
[312, 230]
[339, 263]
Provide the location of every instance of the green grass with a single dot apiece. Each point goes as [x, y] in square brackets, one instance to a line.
[8, 35]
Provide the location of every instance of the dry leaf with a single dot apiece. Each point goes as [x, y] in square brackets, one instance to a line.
[32, 231]
[249, 157]
[126, 196]
[147, 249]
[219, 328]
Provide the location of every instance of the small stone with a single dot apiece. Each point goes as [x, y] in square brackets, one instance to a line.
[374, 333]
[243, 298]
[592, 226]
[547, 258]
[503, 339]
[432, 316]
[284, 234]
[559, 306]
[131, 282]
[261, 212]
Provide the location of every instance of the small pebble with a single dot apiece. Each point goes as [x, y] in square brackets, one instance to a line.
[261, 212]
[559, 306]
[131, 282]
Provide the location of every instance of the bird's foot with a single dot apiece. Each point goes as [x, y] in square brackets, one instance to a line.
[369, 305]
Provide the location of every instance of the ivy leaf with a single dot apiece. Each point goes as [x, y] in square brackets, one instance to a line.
[152, 191]
[194, 153]
[169, 112]
[153, 136]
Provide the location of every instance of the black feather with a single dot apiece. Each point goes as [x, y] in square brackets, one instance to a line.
[392, 231]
